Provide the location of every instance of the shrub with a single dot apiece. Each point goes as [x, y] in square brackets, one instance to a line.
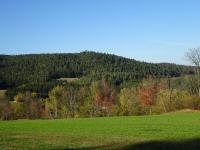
[129, 103]
[172, 100]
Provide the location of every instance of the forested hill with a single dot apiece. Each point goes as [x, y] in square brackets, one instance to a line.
[21, 70]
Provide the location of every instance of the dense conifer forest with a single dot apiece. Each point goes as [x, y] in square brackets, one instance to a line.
[39, 72]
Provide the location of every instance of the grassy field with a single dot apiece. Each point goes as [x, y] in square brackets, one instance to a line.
[68, 79]
[2, 93]
[171, 131]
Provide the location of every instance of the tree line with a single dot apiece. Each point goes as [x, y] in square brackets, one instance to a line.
[151, 96]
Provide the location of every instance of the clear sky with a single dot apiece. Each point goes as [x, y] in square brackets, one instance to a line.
[149, 30]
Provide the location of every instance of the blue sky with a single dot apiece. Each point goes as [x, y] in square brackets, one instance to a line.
[147, 30]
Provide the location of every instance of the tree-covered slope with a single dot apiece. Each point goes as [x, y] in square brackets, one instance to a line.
[20, 70]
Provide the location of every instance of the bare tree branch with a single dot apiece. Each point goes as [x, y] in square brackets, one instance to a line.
[194, 56]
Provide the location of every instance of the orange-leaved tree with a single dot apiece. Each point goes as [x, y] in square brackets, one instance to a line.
[148, 92]
[105, 98]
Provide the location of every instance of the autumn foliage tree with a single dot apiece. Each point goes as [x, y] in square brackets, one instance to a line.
[62, 102]
[148, 92]
[54, 104]
[6, 111]
[105, 98]
[129, 103]
[27, 105]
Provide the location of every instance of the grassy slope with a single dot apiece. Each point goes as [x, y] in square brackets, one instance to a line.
[102, 133]
[68, 79]
[2, 93]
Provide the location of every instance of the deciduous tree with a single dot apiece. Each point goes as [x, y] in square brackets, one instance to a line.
[194, 57]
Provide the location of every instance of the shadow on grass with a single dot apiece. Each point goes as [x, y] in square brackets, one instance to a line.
[165, 145]
[153, 145]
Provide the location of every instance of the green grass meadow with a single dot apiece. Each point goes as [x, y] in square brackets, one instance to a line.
[170, 131]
